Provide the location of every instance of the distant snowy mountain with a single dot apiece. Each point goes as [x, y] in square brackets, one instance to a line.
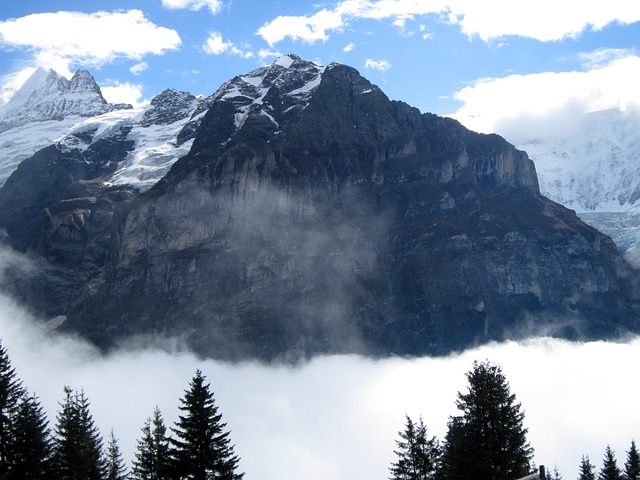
[49, 109]
[593, 167]
[47, 95]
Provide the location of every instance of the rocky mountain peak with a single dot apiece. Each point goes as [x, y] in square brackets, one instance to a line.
[168, 107]
[47, 95]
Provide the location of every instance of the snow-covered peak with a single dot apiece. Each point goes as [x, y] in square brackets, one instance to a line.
[286, 60]
[291, 77]
[47, 95]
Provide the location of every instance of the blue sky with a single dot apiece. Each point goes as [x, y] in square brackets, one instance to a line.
[489, 63]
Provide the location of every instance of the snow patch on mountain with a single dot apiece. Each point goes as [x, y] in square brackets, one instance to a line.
[155, 152]
[292, 76]
[21, 142]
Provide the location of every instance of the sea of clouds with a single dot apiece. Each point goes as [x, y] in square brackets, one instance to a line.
[338, 416]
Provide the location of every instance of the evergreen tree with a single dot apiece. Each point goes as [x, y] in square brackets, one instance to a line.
[488, 440]
[202, 449]
[77, 446]
[632, 465]
[418, 455]
[11, 391]
[31, 448]
[555, 475]
[152, 456]
[115, 467]
[587, 470]
[610, 470]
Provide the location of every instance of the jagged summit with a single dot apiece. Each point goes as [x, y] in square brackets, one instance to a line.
[47, 95]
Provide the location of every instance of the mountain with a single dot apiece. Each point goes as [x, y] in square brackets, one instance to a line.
[309, 214]
[593, 167]
[43, 110]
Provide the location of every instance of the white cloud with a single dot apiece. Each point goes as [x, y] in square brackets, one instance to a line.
[138, 68]
[349, 47]
[381, 65]
[64, 38]
[544, 20]
[214, 5]
[10, 84]
[123, 93]
[522, 107]
[215, 45]
[265, 53]
[308, 29]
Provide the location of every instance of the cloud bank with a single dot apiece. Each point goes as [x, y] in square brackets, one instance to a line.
[338, 417]
[87, 39]
[544, 20]
[525, 107]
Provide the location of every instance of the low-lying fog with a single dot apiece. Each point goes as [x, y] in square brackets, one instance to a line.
[338, 417]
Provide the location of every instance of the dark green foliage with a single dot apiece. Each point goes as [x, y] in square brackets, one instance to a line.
[418, 455]
[610, 470]
[587, 470]
[488, 440]
[152, 455]
[115, 468]
[11, 391]
[77, 442]
[31, 442]
[202, 449]
[632, 465]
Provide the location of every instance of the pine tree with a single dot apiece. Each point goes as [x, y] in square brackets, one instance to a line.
[488, 440]
[555, 474]
[77, 446]
[632, 465]
[610, 470]
[11, 392]
[587, 470]
[418, 455]
[31, 448]
[152, 460]
[202, 449]
[115, 467]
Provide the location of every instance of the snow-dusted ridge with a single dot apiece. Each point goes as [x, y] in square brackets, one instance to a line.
[294, 77]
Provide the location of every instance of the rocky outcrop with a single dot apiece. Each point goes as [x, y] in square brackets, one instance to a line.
[314, 215]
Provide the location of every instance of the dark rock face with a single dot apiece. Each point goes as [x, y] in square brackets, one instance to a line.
[314, 215]
[56, 207]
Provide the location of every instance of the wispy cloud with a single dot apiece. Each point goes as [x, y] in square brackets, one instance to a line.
[381, 65]
[213, 5]
[216, 45]
[79, 37]
[138, 68]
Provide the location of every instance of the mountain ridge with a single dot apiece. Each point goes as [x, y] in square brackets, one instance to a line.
[311, 215]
